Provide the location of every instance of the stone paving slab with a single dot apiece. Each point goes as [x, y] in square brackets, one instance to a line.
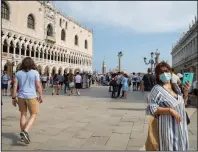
[118, 141]
[92, 121]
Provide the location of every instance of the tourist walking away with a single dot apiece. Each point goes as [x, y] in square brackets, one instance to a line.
[56, 85]
[78, 81]
[134, 80]
[44, 81]
[60, 80]
[119, 80]
[114, 85]
[125, 86]
[66, 83]
[27, 78]
[12, 84]
[138, 81]
[148, 82]
[166, 104]
[71, 83]
[4, 83]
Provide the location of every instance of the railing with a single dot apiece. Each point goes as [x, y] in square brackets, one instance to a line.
[17, 56]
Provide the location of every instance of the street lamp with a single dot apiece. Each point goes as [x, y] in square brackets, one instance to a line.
[120, 54]
[151, 61]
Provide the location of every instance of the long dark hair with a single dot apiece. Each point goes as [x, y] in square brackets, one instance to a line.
[28, 64]
[158, 72]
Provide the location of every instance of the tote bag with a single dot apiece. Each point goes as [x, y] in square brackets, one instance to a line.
[152, 141]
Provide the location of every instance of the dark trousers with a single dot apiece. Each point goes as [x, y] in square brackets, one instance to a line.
[114, 90]
[119, 89]
[113, 94]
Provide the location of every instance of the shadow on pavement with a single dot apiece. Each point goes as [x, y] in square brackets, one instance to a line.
[15, 139]
[133, 109]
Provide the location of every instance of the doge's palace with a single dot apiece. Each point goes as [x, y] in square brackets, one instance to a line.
[55, 41]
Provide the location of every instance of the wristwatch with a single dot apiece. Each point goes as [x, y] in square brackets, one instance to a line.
[13, 97]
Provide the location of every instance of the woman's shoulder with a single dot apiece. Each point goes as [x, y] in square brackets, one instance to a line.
[156, 88]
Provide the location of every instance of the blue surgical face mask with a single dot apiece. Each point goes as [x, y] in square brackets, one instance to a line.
[165, 77]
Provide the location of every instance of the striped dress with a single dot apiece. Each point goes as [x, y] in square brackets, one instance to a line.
[173, 135]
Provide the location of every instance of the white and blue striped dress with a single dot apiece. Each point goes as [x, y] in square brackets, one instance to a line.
[173, 135]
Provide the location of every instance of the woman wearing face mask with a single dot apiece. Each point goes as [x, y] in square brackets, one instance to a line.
[167, 104]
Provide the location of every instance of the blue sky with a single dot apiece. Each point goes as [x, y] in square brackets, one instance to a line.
[134, 27]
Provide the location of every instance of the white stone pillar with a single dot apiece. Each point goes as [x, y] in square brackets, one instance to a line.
[20, 51]
[25, 50]
[30, 52]
[43, 56]
[8, 50]
[39, 55]
[14, 51]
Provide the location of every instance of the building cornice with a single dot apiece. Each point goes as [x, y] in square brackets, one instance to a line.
[66, 16]
[186, 35]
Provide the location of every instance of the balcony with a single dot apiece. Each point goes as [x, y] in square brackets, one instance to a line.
[51, 39]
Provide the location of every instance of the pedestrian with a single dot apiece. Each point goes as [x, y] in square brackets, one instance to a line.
[27, 78]
[56, 85]
[114, 86]
[4, 83]
[175, 78]
[66, 83]
[119, 80]
[44, 81]
[138, 81]
[166, 104]
[78, 80]
[60, 80]
[134, 80]
[125, 86]
[71, 83]
[12, 84]
[148, 81]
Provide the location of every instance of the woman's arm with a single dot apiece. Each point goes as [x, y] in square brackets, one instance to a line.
[166, 111]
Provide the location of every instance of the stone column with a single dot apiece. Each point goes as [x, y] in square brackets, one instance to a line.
[35, 53]
[20, 51]
[50, 58]
[25, 51]
[39, 55]
[43, 55]
[8, 50]
[14, 51]
[30, 52]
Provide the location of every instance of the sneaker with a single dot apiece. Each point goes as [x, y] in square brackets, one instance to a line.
[21, 140]
[24, 135]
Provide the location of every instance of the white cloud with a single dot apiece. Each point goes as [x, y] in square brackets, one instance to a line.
[146, 17]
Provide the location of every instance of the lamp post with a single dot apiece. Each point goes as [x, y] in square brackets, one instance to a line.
[151, 61]
[120, 54]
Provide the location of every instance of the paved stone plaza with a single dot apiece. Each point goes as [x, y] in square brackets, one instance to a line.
[92, 121]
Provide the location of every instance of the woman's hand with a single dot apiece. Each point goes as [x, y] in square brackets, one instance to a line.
[186, 88]
[175, 115]
[14, 102]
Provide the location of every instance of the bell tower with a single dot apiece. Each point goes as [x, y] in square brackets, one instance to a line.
[104, 67]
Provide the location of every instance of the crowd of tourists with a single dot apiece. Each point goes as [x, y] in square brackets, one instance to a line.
[164, 92]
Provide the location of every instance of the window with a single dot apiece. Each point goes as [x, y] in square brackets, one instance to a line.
[65, 25]
[63, 34]
[5, 12]
[76, 40]
[30, 22]
[49, 30]
[60, 22]
[86, 45]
